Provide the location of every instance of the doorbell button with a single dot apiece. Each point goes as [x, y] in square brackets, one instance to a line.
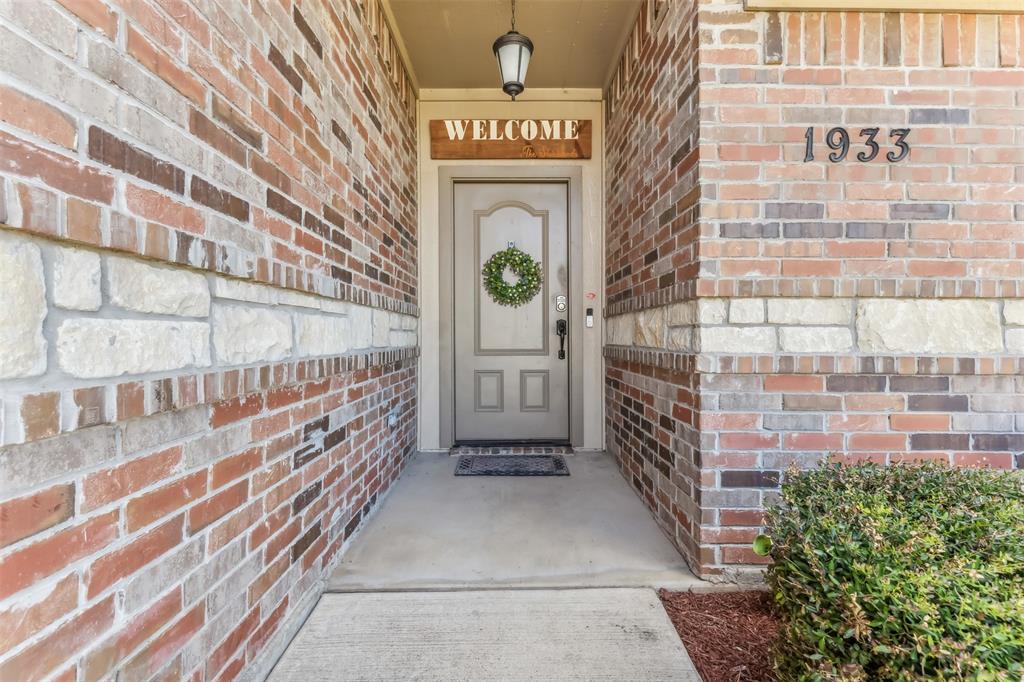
[590, 317]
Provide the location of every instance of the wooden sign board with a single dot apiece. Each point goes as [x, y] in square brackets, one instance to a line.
[514, 138]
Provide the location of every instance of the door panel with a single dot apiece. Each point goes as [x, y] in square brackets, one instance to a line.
[490, 391]
[534, 391]
[509, 382]
[494, 229]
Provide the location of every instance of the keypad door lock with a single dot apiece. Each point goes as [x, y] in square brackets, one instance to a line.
[560, 304]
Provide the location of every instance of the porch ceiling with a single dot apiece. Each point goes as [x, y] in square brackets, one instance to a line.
[449, 42]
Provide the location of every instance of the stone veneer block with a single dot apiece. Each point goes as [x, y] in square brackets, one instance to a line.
[402, 339]
[929, 326]
[1015, 340]
[381, 328]
[23, 293]
[680, 338]
[321, 334]
[76, 280]
[711, 310]
[1013, 311]
[611, 329]
[243, 335]
[746, 311]
[682, 314]
[737, 340]
[361, 326]
[809, 311]
[145, 288]
[330, 305]
[90, 348]
[238, 290]
[297, 299]
[815, 339]
[649, 328]
[619, 329]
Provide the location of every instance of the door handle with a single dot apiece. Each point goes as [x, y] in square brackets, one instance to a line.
[562, 329]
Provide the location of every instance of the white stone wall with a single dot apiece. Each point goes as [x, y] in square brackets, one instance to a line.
[826, 325]
[22, 309]
[147, 288]
[246, 334]
[76, 280]
[95, 349]
[72, 316]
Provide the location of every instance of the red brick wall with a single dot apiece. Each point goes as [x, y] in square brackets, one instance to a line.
[651, 170]
[180, 119]
[183, 540]
[756, 424]
[945, 222]
[651, 240]
[651, 403]
[860, 309]
[207, 231]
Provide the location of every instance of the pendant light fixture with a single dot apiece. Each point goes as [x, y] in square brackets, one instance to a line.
[513, 51]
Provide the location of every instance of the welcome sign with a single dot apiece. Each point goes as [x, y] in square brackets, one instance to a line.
[513, 138]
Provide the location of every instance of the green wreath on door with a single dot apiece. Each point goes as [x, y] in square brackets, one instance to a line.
[525, 268]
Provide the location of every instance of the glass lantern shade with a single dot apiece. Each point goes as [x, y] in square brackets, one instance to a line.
[513, 51]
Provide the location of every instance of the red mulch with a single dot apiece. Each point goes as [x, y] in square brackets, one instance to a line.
[727, 634]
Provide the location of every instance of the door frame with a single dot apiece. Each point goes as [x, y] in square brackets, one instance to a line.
[448, 176]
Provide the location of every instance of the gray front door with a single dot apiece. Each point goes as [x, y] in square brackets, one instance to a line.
[509, 381]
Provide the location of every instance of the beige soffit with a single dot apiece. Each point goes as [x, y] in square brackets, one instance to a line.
[389, 16]
[969, 6]
[493, 94]
[448, 42]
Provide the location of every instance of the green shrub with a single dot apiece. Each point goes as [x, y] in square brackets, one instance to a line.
[898, 573]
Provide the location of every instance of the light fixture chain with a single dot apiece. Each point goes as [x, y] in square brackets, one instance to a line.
[513, 15]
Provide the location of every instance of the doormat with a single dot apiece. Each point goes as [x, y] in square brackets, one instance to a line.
[511, 465]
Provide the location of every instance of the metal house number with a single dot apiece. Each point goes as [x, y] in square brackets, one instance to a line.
[838, 140]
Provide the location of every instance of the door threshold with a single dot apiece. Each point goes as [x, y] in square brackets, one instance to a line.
[512, 448]
[525, 442]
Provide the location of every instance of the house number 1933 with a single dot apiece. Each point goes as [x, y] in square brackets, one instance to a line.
[838, 140]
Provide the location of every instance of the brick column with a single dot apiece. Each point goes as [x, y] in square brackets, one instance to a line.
[863, 309]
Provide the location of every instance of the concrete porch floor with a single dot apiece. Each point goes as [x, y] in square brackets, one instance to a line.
[478, 578]
[500, 636]
[438, 531]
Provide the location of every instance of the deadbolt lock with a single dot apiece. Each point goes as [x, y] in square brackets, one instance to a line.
[560, 304]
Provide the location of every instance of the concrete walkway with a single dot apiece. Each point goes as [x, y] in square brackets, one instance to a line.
[593, 634]
[476, 578]
[436, 530]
